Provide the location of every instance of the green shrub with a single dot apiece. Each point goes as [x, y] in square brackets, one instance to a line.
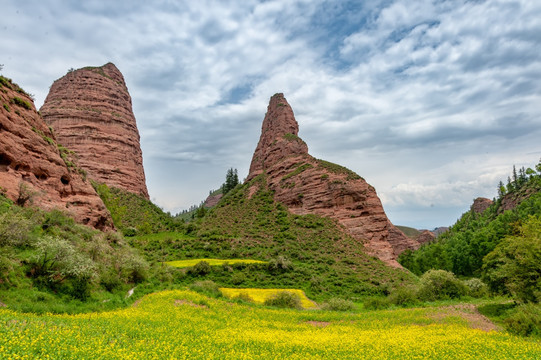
[22, 103]
[476, 288]
[404, 296]
[133, 268]
[14, 229]
[206, 287]
[376, 303]
[130, 232]
[525, 320]
[6, 106]
[243, 297]
[280, 264]
[200, 269]
[439, 285]
[337, 304]
[284, 299]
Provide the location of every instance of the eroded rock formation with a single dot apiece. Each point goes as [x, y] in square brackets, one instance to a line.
[90, 110]
[307, 185]
[480, 205]
[34, 169]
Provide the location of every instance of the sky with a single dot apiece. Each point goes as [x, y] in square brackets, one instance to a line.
[431, 101]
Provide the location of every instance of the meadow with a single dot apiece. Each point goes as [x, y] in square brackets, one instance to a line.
[213, 262]
[259, 296]
[182, 324]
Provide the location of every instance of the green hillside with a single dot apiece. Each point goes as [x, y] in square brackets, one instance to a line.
[324, 259]
[409, 231]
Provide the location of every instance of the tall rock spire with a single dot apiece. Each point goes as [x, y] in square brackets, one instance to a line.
[279, 136]
[310, 186]
[90, 110]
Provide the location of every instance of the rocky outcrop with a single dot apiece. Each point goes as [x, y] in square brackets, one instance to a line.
[90, 110]
[480, 205]
[425, 236]
[212, 200]
[307, 185]
[35, 170]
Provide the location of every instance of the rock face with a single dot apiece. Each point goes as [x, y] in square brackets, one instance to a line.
[90, 110]
[34, 169]
[310, 186]
[425, 236]
[212, 200]
[480, 205]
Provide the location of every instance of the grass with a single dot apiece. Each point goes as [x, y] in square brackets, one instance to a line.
[187, 325]
[338, 169]
[192, 262]
[260, 295]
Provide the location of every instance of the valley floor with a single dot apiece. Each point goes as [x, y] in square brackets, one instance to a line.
[186, 325]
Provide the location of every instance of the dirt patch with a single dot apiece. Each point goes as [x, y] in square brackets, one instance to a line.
[2, 305]
[319, 324]
[469, 313]
[137, 302]
[189, 303]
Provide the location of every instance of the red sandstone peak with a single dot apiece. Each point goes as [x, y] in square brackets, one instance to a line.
[310, 186]
[279, 136]
[480, 205]
[35, 170]
[90, 110]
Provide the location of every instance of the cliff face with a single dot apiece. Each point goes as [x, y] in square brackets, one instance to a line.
[308, 185]
[34, 169]
[90, 110]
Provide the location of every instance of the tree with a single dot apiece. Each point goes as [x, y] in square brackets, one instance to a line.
[501, 189]
[231, 180]
[515, 264]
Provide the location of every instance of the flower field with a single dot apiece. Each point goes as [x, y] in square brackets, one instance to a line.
[192, 262]
[186, 325]
[260, 295]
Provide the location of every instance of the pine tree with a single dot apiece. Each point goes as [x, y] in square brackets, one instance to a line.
[501, 189]
[231, 180]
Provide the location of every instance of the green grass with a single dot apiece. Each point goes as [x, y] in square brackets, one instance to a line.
[22, 103]
[258, 296]
[409, 231]
[338, 169]
[212, 262]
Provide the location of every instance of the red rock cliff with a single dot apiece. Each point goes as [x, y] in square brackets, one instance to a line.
[32, 169]
[90, 110]
[308, 185]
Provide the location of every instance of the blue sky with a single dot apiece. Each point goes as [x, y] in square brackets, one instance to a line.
[432, 102]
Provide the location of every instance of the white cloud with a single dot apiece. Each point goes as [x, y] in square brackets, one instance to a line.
[402, 92]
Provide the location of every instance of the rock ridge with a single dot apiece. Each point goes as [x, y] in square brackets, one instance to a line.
[307, 185]
[91, 112]
[35, 170]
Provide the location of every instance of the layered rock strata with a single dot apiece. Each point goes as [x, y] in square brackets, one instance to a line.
[90, 110]
[307, 185]
[35, 170]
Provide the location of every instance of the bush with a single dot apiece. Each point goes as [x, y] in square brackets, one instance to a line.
[14, 229]
[243, 297]
[133, 268]
[375, 303]
[525, 320]
[476, 288]
[404, 296]
[130, 231]
[284, 299]
[280, 264]
[206, 287]
[200, 269]
[337, 304]
[440, 285]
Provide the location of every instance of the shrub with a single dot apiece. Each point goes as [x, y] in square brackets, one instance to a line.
[376, 303]
[280, 264]
[439, 285]
[284, 299]
[14, 229]
[243, 297]
[200, 269]
[206, 287]
[133, 268]
[23, 103]
[130, 232]
[337, 304]
[476, 288]
[404, 296]
[525, 320]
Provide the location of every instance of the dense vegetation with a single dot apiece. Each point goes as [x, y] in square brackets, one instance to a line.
[463, 248]
[49, 263]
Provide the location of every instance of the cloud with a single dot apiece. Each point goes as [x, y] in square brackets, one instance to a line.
[405, 93]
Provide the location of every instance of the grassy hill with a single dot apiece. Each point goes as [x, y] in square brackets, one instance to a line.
[309, 252]
[409, 231]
